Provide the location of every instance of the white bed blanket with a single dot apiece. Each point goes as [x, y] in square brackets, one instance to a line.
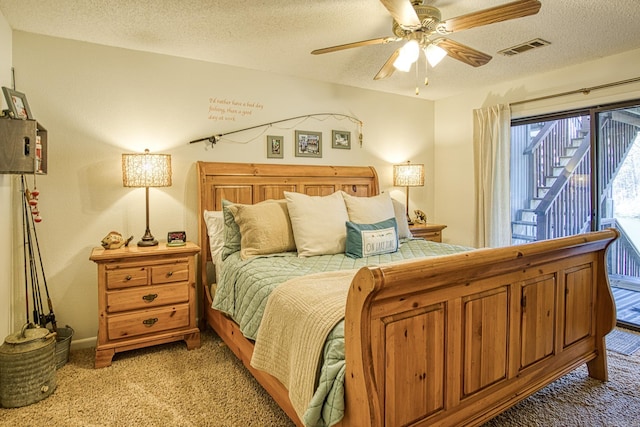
[298, 316]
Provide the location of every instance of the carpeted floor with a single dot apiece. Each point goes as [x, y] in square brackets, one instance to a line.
[170, 386]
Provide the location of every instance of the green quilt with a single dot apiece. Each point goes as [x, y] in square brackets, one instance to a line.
[245, 286]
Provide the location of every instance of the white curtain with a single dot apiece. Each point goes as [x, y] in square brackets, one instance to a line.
[491, 152]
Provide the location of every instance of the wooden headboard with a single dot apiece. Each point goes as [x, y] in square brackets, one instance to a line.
[250, 183]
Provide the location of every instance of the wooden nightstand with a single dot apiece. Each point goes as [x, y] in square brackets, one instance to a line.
[146, 296]
[428, 231]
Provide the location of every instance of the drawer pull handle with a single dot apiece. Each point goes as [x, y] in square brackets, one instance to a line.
[150, 297]
[169, 274]
[150, 322]
[128, 277]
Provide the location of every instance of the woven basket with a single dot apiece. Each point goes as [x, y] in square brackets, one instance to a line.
[27, 367]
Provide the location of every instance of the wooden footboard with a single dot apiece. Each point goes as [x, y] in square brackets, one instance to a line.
[456, 340]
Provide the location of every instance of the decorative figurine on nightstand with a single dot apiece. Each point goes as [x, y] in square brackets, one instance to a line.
[421, 217]
[114, 240]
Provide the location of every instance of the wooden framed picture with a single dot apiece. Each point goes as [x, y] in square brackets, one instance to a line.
[275, 147]
[341, 139]
[308, 144]
[17, 102]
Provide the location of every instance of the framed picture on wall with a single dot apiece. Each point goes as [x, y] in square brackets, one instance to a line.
[341, 139]
[17, 102]
[308, 144]
[275, 147]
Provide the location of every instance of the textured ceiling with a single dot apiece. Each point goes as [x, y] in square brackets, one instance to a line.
[278, 35]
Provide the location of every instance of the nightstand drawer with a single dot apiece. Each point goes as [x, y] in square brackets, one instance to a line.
[147, 322]
[431, 232]
[169, 273]
[147, 297]
[434, 236]
[126, 277]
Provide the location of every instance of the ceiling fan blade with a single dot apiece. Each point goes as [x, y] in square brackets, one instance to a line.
[382, 40]
[463, 53]
[388, 68]
[403, 12]
[505, 12]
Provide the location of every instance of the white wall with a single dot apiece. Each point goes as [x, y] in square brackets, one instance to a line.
[98, 102]
[6, 249]
[454, 195]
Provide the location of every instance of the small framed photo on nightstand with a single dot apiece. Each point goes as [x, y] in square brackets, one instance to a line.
[176, 238]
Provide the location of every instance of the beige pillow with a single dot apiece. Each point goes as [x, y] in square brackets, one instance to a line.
[369, 210]
[265, 228]
[318, 222]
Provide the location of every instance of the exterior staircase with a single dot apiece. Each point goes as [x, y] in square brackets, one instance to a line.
[557, 200]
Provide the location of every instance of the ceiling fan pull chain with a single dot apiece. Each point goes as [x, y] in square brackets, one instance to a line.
[426, 68]
[417, 77]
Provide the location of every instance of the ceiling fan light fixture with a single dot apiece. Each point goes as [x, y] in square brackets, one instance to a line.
[402, 64]
[434, 54]
[409, 54]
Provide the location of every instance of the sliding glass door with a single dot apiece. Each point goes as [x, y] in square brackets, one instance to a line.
[618, 145]
[559, 187]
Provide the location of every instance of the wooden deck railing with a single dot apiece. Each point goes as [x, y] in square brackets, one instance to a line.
[623, 257]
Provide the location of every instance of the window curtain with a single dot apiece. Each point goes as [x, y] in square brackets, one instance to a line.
[491, 152]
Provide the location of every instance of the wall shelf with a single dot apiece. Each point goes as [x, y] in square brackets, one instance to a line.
[23, 147]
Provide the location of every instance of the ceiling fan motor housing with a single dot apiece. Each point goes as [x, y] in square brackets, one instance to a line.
[429, 17]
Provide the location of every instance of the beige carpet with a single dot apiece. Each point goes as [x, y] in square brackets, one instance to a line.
[170, 386]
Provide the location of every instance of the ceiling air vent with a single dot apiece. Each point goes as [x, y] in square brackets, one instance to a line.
[523, 47]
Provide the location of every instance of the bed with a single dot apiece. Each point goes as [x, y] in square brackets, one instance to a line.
[444, 340]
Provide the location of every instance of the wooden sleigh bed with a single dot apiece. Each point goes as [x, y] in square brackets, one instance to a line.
[452, 340]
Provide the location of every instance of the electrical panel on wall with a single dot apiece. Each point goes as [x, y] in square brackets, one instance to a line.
[23, 147]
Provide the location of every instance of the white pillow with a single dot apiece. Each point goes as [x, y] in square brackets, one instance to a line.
[215, 229]
[369, 210]
[401, 219]
[318, 223]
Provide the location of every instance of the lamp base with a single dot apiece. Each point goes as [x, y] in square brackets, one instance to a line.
[409, 220]
[148, 240]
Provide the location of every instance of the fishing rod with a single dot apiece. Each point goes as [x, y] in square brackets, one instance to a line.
[51, 317]
[30, 277]
[31, 240]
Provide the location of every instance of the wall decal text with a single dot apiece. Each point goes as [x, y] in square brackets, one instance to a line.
[225, 109]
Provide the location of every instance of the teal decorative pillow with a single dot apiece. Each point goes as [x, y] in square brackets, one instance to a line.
[371, 239]
[232, 235]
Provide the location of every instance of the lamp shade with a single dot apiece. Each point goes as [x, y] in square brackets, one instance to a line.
[408, 55]
[146, 170]
[434, 54]
[408, 175]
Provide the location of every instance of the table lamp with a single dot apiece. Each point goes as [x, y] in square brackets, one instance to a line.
[408, 175]
[146, 170]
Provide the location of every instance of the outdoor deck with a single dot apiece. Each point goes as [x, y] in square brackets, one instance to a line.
[627, 306]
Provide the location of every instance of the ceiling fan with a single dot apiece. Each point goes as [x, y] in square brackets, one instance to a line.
[422, 27]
